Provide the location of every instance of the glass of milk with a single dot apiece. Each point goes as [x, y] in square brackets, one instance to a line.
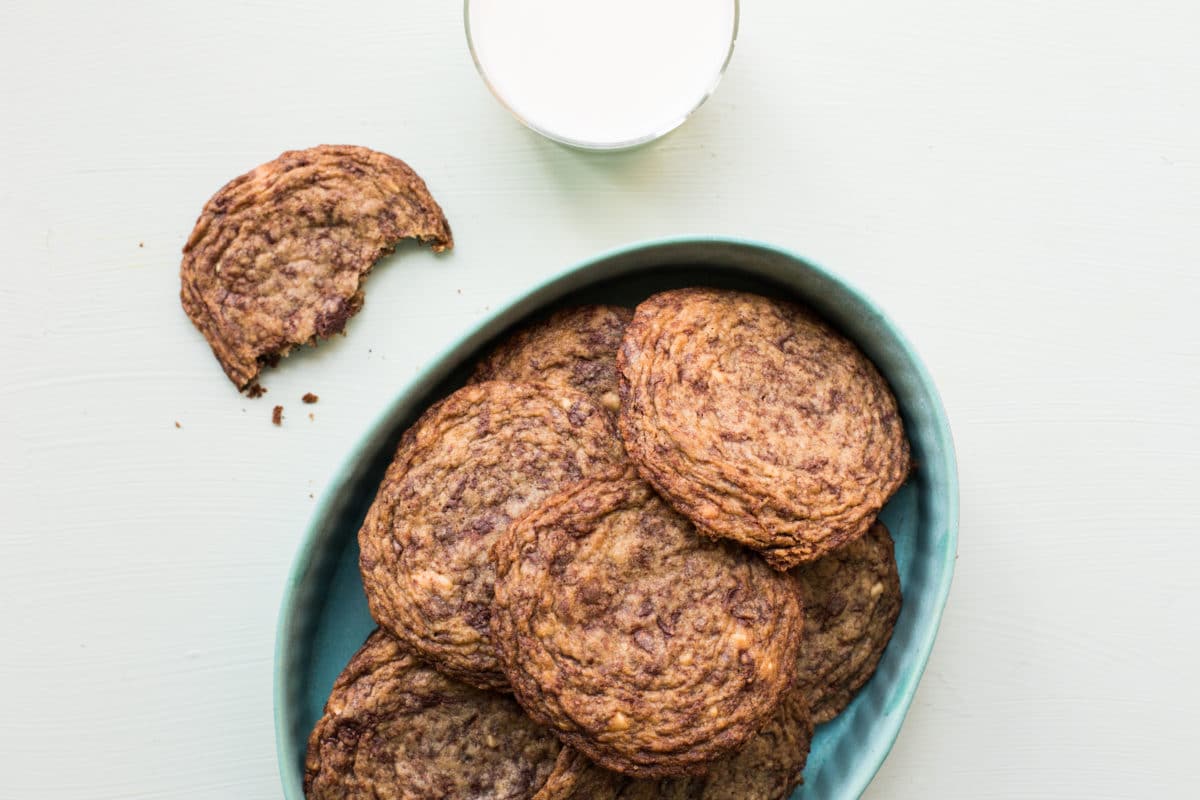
[601, 74]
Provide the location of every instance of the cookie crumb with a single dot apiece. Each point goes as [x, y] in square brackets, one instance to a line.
[177, 425]
[256, 390]
[277, 415]
[310, 416]
[310, 398]
[141, 244]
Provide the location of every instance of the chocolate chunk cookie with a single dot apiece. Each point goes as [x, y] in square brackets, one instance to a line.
[768, 767]
[469, 466]
[851, 602]
[575, 348]
[395, 729]
[650, 649]
[758, 421]
[276, 258]
[574, 777]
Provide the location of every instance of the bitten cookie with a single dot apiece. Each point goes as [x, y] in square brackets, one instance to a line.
[472, 464]
[575, 348]
[278, 254]
[650, 649]
[851, 603]
[394, 729]
[758, 421]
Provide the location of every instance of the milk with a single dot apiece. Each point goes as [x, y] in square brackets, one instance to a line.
[602, 73]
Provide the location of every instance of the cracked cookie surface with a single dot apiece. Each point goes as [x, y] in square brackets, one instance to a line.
[469, 467]
[575, 348]
[650, 649]
[768, 767]
[758, 421]
[394, 729]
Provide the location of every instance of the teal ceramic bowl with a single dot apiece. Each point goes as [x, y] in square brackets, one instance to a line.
[324, 616]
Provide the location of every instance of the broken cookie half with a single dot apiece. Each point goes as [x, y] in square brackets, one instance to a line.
[278, 255]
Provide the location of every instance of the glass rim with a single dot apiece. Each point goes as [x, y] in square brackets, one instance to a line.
[625, 144]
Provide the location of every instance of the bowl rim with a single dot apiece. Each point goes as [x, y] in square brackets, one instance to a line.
[303, 558]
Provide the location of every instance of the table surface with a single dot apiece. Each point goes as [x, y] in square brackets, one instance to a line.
[1017, 183]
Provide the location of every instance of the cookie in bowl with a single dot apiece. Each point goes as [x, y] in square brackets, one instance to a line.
[768, 767]
[394, 728]
[575, 348]
[650, 649]
[851, 602]
[469, 467]
[758, 421]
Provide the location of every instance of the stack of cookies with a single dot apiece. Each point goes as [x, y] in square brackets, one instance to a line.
[637, 556]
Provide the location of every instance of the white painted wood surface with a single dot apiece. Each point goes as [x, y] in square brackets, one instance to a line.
[1017, 182]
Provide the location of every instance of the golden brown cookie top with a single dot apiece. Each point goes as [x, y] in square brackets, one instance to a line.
[645, 646]
[277, 255]
[851, 603]
[394, 729]
[575, 348]
[758, 421]
[768, 767]
[472, 464]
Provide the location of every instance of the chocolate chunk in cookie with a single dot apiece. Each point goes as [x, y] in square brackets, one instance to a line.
[650, 649]
[851, 602]
[575, 348]
[758, 421]
[470, 465]
[769, 767]
[278, 254]
[394, 729]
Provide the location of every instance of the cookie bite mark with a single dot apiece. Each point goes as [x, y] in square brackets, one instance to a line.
[278, 255]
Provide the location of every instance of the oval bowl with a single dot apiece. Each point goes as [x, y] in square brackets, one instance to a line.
[324, 616]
